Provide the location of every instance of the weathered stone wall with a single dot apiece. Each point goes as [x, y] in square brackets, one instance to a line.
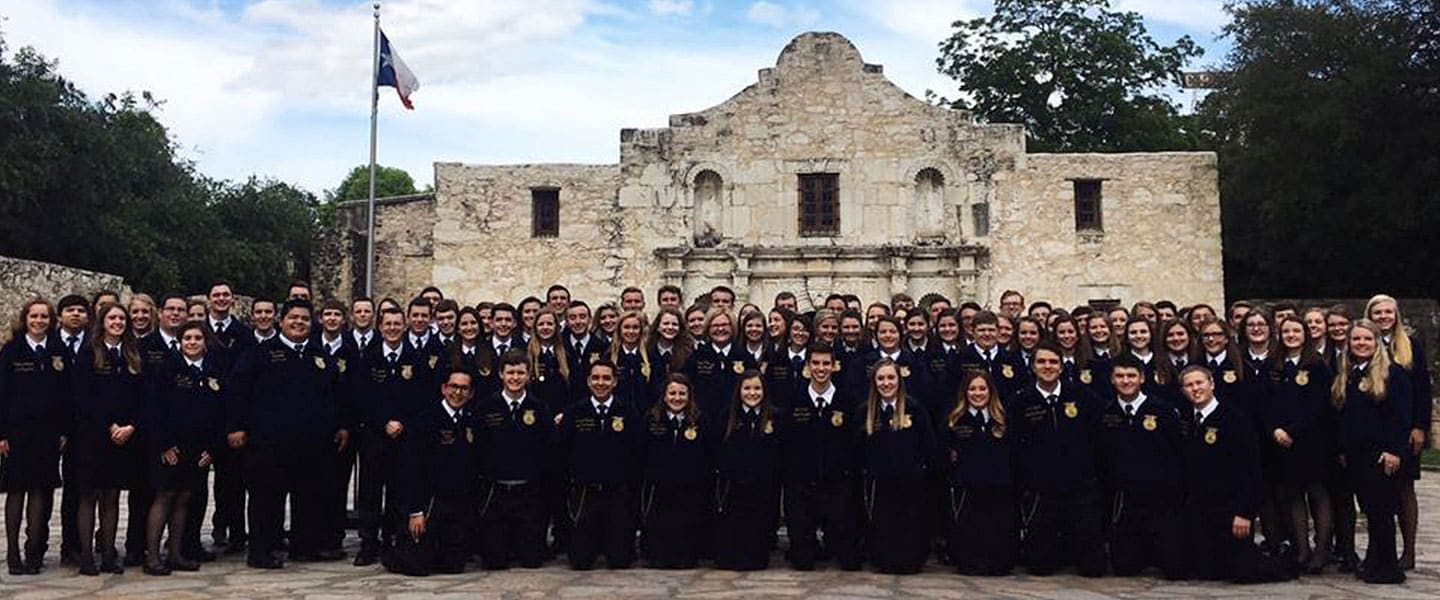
[21, 280]
[483, 244]
[1161, 238]
[404, 248]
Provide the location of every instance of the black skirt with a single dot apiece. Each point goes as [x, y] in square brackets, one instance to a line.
[899, 524]
[185, 475]
[671, 516]
[33, 462]
[745, 519]
[984, 530]
[102, 465]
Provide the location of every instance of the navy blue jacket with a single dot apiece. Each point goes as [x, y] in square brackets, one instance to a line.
[715, 376]
[1141, 455]
[380, 393]
[186, 410]
[902, 453]
[977, 452]
[513, 446]
[1055, 445]
[678, 453]
[1222, 463]
[35, 389]
[439, 457]
[751, 451]
[280, 397]
[820, 445]
[1367, 427]
[599, 450]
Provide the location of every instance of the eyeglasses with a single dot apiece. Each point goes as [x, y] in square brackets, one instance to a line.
[1213, 334]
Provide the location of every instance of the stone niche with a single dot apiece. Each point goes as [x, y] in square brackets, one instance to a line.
[912, 197]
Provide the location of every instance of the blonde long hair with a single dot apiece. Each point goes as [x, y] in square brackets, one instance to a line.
[872, 403]
[640, 345]
[1401, 351]
[962, 404]
[1376, 376]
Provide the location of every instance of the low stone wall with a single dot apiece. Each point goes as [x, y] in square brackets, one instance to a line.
[21, 280]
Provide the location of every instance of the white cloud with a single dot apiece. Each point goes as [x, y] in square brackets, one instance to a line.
[1207, 16]
[924, 20]
[774, 15]
[672, 7]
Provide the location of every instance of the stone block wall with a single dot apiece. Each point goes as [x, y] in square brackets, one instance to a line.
[21, 280]
[1160, 238]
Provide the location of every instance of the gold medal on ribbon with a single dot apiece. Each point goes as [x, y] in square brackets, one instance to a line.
[1086, 377]
[1211, 434]
[320, 363]
[1007, 371]
[1071, 410]
[1229, 377]
[738, 367]
[690, 433]
[837, 418]
[57, 363]
[213, 383]
[407, 371]
[1149, 423]
[528, 417]
[617, 424]
[1302, 378]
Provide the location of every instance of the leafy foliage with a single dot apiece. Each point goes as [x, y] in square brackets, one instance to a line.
[389, 181]
[1326, 127]
[1079, 76]
[99, 185]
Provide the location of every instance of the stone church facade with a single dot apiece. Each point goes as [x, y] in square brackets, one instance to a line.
[822, 176]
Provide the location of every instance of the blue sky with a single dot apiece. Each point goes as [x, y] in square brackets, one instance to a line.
[279, 88]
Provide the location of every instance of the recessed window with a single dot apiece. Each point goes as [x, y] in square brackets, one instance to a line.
[545, 212]
[980, 211]
[1087, 205]
[819, 204]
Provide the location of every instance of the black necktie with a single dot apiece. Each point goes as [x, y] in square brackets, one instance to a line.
[114, 356]
[195, 372]
[364, 340]
[1129, 412]
[73, 342]
[1214, 365]
[887, 413]
[300, 349]
[394, 358]
[603, 409]
[514, 407]
[219, 329]
[1050, 400]
[798, 363]
[500, 351]
[175, 345]
[1199, 418]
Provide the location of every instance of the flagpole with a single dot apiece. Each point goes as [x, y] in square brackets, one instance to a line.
[374, 111]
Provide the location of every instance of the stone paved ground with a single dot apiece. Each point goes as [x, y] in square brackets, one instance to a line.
[230, 579]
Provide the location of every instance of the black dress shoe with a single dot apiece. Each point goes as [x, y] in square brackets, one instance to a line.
[264, 563]
[219, 540]
[182, 564]
[304, 557]
[1391, 575]
[20, 568]
[110, 565]
[236, 547]
[366, 558]
[156, 569]
[88, 567]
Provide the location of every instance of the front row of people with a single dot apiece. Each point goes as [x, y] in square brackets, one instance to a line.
[1054, 478]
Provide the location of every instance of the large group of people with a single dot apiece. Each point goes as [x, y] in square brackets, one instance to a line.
[1103, 440]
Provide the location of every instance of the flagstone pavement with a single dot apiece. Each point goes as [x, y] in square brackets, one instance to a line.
[229, 578]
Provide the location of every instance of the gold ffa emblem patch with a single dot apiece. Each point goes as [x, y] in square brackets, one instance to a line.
[1007, 371]
[1149, 423]
[1071, 410]
[904, 371]
[1086, 377]
[320, 363]
[1302, 378]
[769, 428]
[528, 417]
[738, 367]
[805, 371]
[617, 424]
[594, 357]
[213, 383]
[1229, 377]
[645, 371]
[469, 435]
[906, 422]
[433, 361]
[1211, 435]
[690, 433]
[406, 372]
[340, 364]
[1364, 385]
[57, 363]
[837, 418]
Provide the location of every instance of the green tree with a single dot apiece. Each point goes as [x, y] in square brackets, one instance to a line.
[1079, 76]
[1326, 127]
[99, 185]
[389, 181]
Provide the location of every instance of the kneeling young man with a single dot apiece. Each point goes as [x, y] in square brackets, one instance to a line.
[439, 458]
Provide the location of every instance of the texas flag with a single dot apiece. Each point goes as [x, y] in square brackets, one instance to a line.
[394, 73]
